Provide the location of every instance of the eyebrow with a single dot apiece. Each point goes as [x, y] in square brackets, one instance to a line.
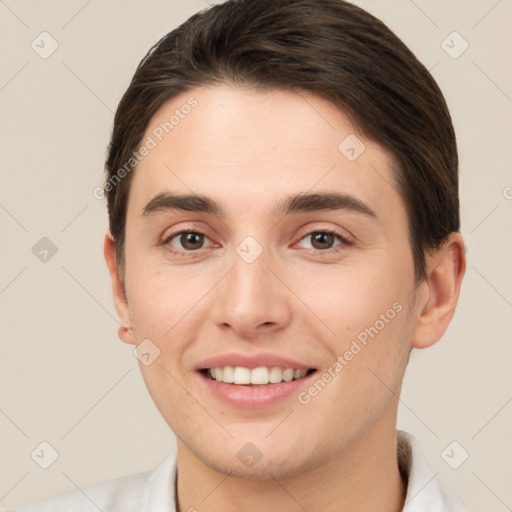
[302, 202]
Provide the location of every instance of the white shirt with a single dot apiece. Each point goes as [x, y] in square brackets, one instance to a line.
[154, 491]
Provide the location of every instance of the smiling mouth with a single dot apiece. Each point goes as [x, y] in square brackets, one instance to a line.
[262, 376]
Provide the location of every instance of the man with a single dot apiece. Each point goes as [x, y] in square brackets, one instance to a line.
[284, 228]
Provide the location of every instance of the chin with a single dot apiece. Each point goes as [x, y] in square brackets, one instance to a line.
[270, 461]
[275, 469]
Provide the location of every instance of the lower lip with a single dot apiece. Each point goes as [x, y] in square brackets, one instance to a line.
[254, 397]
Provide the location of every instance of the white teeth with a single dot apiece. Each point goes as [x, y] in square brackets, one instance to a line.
[242, 375]
[288, 374]
[257, 376]
[229, 375]
[218, 373]
[275, 375]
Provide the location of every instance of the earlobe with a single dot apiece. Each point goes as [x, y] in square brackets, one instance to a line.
[446, 268]
[125, 331]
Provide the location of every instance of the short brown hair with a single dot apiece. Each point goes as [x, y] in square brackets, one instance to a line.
[328, 47]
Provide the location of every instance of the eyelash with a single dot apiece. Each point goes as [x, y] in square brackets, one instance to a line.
[339, 236]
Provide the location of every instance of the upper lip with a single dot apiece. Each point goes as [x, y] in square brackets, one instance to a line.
[251, 361]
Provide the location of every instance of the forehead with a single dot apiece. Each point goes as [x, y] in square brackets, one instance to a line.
[247, 146]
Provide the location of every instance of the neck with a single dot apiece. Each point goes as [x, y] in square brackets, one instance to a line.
[365, 476]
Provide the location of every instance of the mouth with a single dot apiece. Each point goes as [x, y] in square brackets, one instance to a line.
[255, 377]
[254, 381]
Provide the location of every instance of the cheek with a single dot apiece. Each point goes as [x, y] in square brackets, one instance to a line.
[361, 317]
[349, 299]
[159, 295]
[363, 378]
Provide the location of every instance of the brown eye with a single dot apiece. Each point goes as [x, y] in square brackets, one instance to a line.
[191, 241]
[322, 240]
[186, 241]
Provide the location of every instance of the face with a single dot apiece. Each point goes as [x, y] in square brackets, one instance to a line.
[248, 278]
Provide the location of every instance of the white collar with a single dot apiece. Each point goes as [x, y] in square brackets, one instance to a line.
[154, 491]
[424, 492]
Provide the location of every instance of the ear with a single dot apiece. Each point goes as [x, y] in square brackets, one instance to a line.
[445, 270]
[126, 333]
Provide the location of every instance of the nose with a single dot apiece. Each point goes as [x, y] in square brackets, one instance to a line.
[252, 298]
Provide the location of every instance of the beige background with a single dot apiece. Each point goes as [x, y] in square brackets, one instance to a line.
[66, 378]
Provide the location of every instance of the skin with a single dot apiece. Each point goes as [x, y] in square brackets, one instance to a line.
[249, 150]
